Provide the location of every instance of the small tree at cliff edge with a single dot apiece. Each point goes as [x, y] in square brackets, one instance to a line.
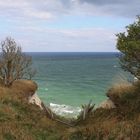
[129, 45]
[14, 64]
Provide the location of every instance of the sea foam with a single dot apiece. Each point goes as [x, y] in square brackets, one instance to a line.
[65, 110]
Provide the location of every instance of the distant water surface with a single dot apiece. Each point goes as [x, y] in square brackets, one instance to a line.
[74, 78]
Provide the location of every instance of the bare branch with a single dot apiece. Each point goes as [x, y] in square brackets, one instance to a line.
[13, 63]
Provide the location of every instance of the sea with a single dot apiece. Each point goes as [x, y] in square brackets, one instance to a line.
[68, 80]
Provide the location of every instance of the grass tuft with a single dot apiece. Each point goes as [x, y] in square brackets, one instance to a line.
[20, 120]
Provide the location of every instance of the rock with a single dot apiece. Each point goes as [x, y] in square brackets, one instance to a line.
[107, 104]
[34, 99]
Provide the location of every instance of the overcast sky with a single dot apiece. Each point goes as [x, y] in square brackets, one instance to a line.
[66, 25]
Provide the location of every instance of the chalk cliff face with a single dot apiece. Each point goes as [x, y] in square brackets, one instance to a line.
[34, 99]
[107, 104]
[28, 89]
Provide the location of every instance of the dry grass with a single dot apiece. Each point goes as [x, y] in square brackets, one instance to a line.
[120, 123]
[26, 87]
[22, 121]
[106, 127]
[119, 90]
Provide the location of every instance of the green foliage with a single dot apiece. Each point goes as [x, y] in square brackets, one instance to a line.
[128, 43]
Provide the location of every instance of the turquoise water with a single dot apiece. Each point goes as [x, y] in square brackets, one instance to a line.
[75, 78]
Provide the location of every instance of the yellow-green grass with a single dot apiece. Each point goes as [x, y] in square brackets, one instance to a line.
[23, 121]
[20, 120]
[120, 123]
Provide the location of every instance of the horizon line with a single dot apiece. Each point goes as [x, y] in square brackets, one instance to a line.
[69, 52]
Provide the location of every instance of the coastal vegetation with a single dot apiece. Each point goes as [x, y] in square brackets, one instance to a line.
[21, 120]
[128, 43]
[14, 64]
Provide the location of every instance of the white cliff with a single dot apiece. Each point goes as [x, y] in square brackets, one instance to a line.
[34, 99]
[107, 104]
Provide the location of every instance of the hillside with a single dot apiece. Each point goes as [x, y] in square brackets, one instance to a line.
[23, 121]
[20, 120]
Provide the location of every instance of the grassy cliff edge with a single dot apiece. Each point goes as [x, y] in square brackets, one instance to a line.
[20, 120]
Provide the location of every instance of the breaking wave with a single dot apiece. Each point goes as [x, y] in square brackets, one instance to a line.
[65, 110]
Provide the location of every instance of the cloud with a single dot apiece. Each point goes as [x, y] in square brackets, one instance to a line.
[23, 9]
[123, 8]
[85, 39]
[39, 15]
[35, 9]
[103, 2]
[29, 22]
[48, 9]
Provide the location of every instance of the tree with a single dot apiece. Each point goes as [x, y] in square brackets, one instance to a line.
[14, 64]
[128, 43]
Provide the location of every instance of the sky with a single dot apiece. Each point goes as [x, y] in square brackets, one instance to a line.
[66, 25]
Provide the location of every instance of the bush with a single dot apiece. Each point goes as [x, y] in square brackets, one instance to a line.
[126, 98]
